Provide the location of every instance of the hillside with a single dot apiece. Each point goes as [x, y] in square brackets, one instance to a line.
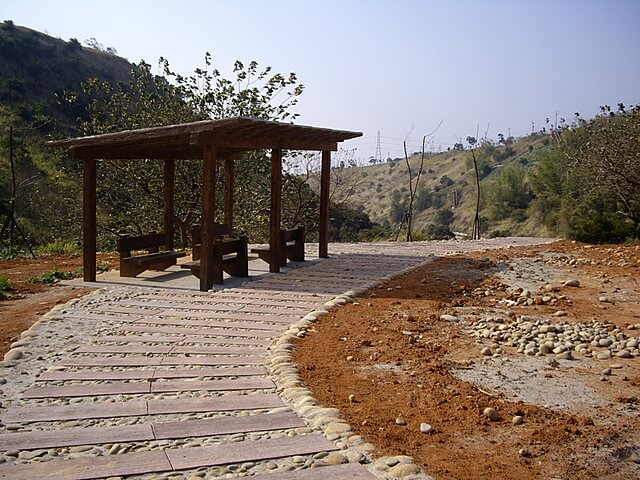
[447, 184]
[35, 69]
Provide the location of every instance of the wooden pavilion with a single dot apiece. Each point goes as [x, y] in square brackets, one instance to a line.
[212, 141]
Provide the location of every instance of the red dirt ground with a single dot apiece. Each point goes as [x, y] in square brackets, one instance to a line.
[394, 372]
[27, 301]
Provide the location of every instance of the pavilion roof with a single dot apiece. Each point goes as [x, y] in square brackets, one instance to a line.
[231, 136]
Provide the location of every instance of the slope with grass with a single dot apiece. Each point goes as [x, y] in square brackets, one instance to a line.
[446, 194]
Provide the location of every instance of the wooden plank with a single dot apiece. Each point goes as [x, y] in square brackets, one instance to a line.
[274, 310]
[248, 451]
[101, 317]
[275, 218]
[226, 307]
[114, 388]
[90, 467]
[85, 375]
[226, 425]
[68, 437]
[201, 332]
[350, 471]
[75, 412]
[110, 361]
[139, 339]
[249, 383]
[227, 340]
[128, 310]
[221, 323]
[217, 360]
[147, 349]
[214, 404]
[219, 350]
[89, 231]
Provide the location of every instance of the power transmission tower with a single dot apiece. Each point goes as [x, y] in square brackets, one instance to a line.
[378, 157]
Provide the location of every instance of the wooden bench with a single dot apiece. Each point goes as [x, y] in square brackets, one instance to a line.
[154, 258]
[229, 254]
[291, 244]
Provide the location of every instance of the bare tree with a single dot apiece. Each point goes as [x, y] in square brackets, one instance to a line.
[413, 186]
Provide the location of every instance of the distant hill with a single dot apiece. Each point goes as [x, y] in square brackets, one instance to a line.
[447, 192]
[36, 68]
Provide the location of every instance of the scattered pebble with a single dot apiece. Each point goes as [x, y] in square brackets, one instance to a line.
[352, 398]
[491, 414]
[523, 452]
[426, 428]
[517, 420]
[401, 421]
[572, 283]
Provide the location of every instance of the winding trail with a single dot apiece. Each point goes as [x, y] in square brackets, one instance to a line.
[161, 383]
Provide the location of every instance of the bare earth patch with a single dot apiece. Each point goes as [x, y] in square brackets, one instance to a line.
[393, 356]
[28, 301]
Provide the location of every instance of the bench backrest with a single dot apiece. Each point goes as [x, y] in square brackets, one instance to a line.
[293, 235]
[143, 242]
[219, 230]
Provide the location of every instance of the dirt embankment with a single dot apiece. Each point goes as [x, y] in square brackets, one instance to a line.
[494, 330]
[28, 300]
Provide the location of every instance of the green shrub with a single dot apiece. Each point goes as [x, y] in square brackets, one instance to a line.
[5, 287]
[55, 276]
[60, 247]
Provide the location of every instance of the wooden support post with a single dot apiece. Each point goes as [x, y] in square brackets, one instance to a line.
[325, 179]
[229, 167]
[169, 189]
[209, 164]
[275, 246]
[89, 221]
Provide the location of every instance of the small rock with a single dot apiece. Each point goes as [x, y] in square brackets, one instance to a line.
[349, 358]
[604, 300]
[426, 428]
[485, 351]
[606, 355]
[565, 355]
[624, 354]
[523, 452]
[560, 313]
[552, 362]
[449, 318]
[491, 414]
[404, 470]
[606, 371]
[13, 354]
[401, 421]
[335, 458]
[572, 283]
[517, 420]
[353, 399]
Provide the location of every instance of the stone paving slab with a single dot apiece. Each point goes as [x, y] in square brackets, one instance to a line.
[213, 332]
[150, 373]
[249, 383]
[138, 408]
[157, 361]
[214, 404]
[350, 471]
[77, 411]
[70, 437]
[132, 388]
[90, 467]
[187, 321]
[222, 426]
[248, 451]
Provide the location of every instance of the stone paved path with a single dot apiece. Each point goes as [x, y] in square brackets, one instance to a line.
[159, 383]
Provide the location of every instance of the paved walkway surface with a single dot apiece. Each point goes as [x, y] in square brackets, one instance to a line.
[174, 383]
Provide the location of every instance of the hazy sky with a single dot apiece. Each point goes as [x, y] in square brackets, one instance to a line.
[398, 67]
